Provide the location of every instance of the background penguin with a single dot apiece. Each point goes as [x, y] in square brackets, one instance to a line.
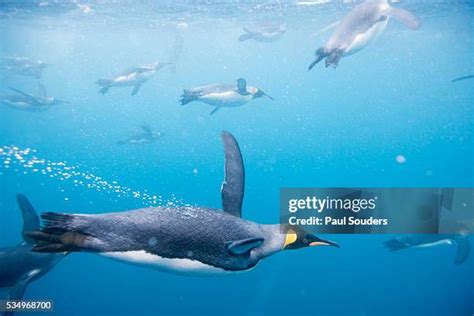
[146, 137]
[223, 95]
[184, 239]
[358, 28]
[133, 77]
[19, 265]
[23, 66]
[31, 102]
[461, 241]
[265, 34]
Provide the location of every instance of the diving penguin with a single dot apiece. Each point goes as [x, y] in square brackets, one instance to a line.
[134, 77]
[460, 241]
[264, 33]
[223, 95]
[30, 102]
[23, 66]
[186, 240]
[358, 28]
[19, 265]
[146, 137]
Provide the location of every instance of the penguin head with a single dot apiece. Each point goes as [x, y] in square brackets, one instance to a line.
[259, 93]
[296, 238]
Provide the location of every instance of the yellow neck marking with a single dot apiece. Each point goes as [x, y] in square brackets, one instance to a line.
[290, 238]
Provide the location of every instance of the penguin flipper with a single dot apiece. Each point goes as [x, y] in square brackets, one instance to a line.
[214, 111]
[239, 247]
[146, 128]
[242, 86]
[29, 96]
[462, 78]
[30, 218]
[232, 190]
[463, 248]
[135, 89]
[405, 17]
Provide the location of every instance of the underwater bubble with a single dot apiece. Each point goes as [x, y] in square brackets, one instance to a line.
[25, 162]
[401, 159]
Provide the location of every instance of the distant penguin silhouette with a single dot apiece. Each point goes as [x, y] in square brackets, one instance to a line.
[460, 241]
[265, 33]
[358, 28]
[223, 95]
[30, 102]
[146, 137]
[134, 77]
[23, 66]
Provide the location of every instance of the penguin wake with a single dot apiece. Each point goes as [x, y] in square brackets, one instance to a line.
[26, 161]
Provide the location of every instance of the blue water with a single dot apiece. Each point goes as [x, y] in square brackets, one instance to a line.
[326, 128]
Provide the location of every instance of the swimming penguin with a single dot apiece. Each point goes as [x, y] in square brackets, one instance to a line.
[223, 95]
[23, 66]
[30, 102]
[19, 265]
[463, 78]
[461, 241]
[133, 77]
[358, 28]
[146, 137]
[186, 239]
[265, 33]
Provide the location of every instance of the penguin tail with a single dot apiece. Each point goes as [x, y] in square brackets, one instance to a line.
[248, 35]
[104, 84]
[61, 233]
[320, 54]
[187, 97]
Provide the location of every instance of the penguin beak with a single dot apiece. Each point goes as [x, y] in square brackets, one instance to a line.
[315, 241]
[271, 98]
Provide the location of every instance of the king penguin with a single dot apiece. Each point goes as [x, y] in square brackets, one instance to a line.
[134, 77]
[223, 95]
[19, 266]
[186, 240]
[358, 28]
[30, 102]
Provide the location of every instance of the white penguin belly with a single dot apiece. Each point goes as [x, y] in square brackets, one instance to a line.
[226, 99]
[132, 79]
[178, 266]
[436, 243]
[363, 39]
[26, 106]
